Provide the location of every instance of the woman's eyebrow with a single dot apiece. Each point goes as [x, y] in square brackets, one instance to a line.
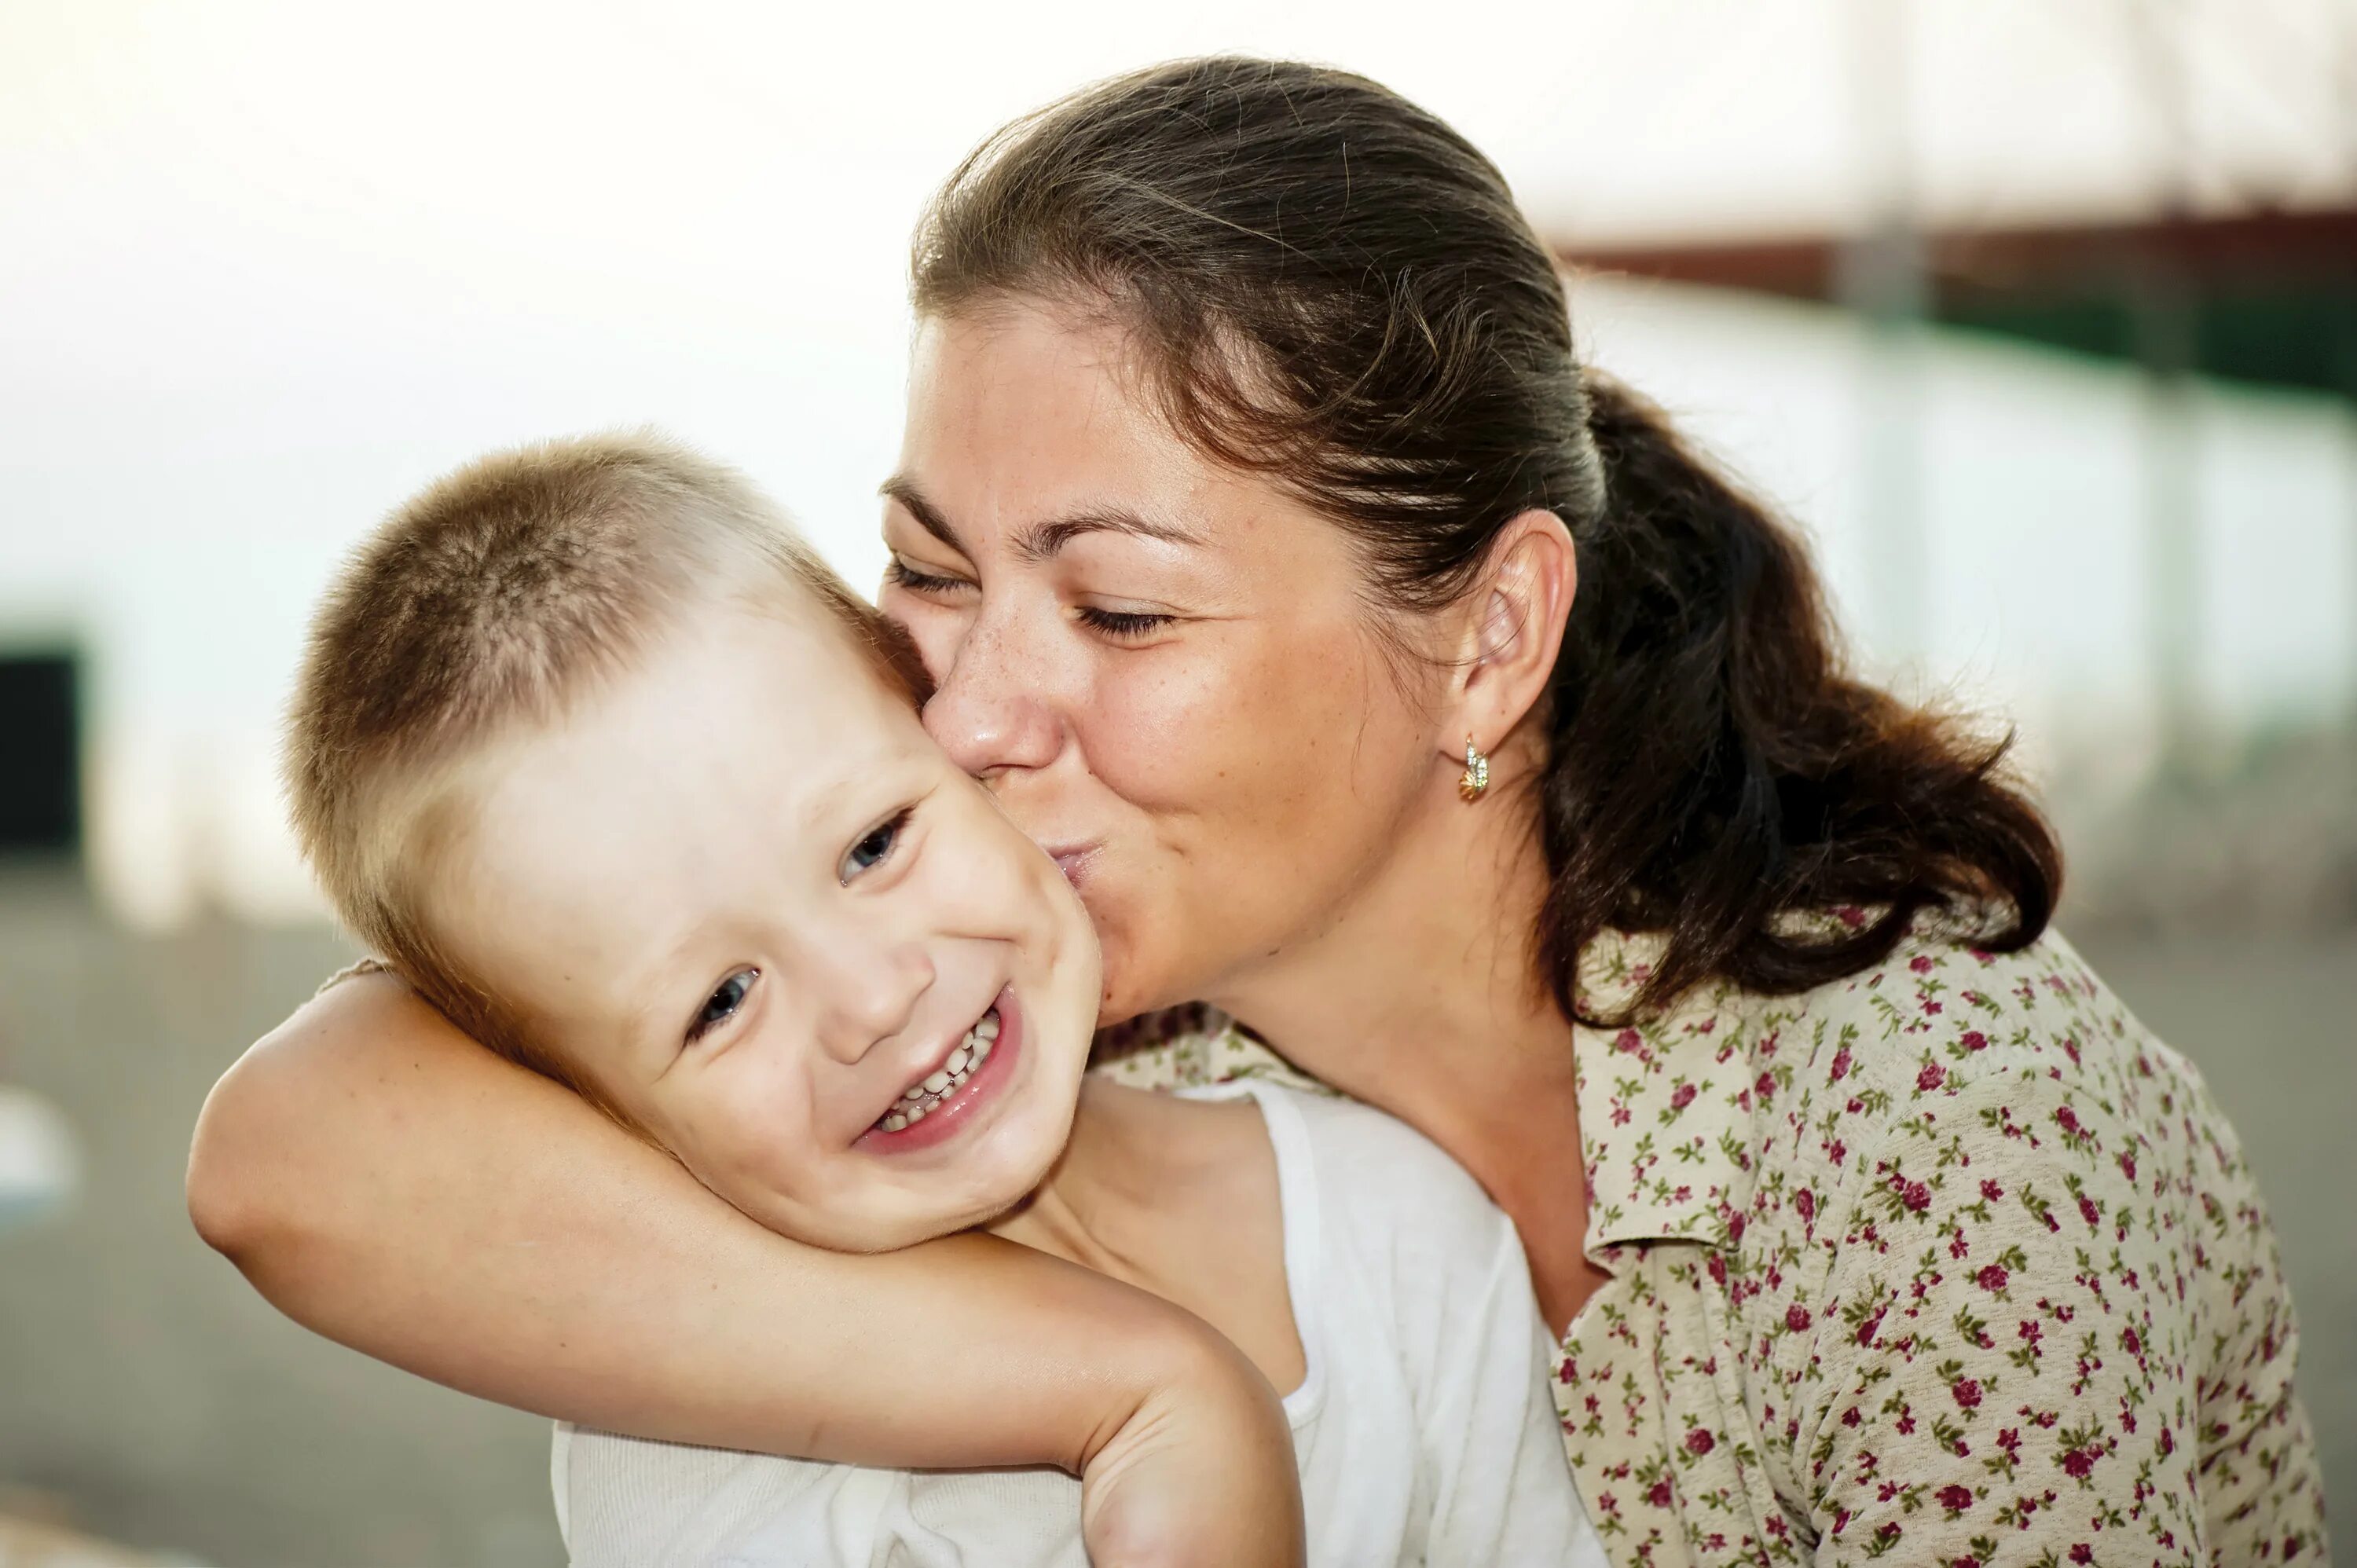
[1041, 541]
[912, 501]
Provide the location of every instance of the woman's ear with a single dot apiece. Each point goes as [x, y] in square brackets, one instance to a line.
[1516, 628]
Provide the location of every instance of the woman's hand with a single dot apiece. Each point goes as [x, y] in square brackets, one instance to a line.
[388, 1183]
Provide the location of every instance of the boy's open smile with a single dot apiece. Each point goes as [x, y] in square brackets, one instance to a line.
[957, 1090]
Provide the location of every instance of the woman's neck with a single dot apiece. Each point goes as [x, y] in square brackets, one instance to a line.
[1427, 972]
[1421, 998]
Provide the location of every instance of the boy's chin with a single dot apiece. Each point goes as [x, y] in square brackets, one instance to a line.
[915, 1230]
[970, 1209]
[879, 1235]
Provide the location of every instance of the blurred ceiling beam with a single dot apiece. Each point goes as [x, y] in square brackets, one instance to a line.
[2272, 296]
[2289, 247]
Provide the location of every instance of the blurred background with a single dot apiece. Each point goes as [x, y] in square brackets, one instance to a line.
[2040, 316]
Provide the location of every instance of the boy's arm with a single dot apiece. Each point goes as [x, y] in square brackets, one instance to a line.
[387, 1182]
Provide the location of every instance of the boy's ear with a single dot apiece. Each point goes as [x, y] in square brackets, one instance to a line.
[1515, 630]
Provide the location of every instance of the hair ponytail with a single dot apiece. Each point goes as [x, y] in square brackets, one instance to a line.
[1332, 287]
[1712, 771]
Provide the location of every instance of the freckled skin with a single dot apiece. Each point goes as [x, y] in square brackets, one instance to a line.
[1237, 772]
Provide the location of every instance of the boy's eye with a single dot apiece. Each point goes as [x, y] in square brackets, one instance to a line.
[722, 1004]
[873, 848]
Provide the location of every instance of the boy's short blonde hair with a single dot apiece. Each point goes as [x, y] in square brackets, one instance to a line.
[491, 603]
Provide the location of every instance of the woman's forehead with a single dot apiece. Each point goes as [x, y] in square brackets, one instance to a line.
[1028, 393]
[1023, 437]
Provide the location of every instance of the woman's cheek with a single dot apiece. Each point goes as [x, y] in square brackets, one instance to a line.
[1161, 732]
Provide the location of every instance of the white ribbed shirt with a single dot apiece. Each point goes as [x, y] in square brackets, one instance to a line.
[1424, 1428]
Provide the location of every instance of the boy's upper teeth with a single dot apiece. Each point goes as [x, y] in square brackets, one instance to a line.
[919, 1100]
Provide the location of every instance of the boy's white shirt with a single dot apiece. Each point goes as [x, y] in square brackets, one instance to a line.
[1424, 1427]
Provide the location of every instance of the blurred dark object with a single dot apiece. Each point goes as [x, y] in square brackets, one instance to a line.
[41, 736]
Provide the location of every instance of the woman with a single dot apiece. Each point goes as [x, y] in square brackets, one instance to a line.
[1416, 699]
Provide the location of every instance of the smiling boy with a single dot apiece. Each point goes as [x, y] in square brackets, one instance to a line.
[613, 770]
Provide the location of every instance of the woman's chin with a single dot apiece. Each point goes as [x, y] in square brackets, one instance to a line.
[1120, 997]
[1129, 996]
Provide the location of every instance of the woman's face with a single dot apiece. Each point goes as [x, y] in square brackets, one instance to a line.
[1166, 670]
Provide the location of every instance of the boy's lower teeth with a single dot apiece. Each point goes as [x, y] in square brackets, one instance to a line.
[921, 1101]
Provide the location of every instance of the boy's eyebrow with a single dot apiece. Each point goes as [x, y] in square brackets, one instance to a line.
[647, 1029]
[1041, 541]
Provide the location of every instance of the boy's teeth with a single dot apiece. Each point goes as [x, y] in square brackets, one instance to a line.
[918, 1102]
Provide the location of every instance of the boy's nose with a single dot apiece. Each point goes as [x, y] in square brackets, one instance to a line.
[872, 997]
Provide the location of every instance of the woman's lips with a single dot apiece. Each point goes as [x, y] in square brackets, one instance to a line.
[1072, 860]
[971, 1099]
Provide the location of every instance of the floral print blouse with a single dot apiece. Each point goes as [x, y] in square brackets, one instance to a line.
[1949, 1262]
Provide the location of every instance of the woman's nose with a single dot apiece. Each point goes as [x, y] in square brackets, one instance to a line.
[990, 710]
[872, 991]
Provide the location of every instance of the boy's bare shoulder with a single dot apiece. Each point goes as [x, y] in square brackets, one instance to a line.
[1195, 1152]
[1207, 1174]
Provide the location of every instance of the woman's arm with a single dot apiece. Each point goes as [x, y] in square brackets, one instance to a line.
[388, 1183]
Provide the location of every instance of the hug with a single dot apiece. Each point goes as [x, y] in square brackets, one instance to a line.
[1338, 971]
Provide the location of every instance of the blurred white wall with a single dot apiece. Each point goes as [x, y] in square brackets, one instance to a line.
[265, 267]
[2029, 492]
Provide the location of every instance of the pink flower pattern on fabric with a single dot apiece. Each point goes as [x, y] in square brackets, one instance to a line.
[1950, 1263]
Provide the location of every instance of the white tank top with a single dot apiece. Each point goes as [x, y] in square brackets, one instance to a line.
[1424, 1428]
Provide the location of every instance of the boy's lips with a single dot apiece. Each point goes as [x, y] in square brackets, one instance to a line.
[951, 1096]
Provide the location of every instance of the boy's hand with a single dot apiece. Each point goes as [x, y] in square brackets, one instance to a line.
[1201, 1475]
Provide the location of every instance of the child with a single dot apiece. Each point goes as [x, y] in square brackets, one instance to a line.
[612, 769]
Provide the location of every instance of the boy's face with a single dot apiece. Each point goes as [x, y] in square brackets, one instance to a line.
[750, 902]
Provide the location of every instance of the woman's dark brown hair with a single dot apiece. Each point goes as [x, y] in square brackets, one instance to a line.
[1332, 287]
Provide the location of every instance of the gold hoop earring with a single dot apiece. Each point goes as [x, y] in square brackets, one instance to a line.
[1475, 779]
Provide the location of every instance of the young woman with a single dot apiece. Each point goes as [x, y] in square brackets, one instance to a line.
[1411, 695]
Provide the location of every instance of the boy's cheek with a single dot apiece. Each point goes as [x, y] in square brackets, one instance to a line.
[750, 1174]
[715, 1137]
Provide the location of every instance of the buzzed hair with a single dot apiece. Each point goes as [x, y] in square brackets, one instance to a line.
[492, 603]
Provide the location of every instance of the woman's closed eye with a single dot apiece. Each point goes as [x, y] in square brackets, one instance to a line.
[727, 999]
[1123, 624]
[901, 573]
